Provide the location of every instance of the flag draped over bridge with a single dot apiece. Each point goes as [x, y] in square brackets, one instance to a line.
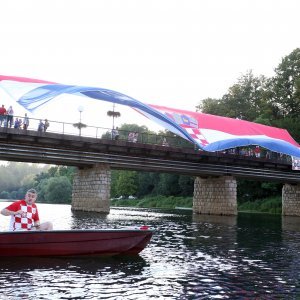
[216, 133]
[208, 132]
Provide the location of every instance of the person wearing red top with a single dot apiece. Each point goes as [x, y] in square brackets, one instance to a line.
[257, 151]
[2, 114]
[24, 214]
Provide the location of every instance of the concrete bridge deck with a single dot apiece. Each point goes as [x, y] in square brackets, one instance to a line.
[63, 149]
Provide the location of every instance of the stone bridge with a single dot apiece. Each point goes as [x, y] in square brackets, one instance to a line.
[215, 183]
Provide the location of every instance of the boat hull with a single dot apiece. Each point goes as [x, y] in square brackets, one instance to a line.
[74, 242]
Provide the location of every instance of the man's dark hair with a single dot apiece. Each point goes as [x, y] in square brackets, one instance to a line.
[32, 191]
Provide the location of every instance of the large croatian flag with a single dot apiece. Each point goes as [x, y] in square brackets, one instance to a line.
[216, 133]
[208, 132]
[32, 94]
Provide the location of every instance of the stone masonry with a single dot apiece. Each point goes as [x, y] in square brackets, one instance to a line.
[91, 189]
[291, 200]
[215, 196]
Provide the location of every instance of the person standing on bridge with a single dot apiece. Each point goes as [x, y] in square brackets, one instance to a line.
[165, 142]
[24, 214]
[135, 137]
[46, 125]
[41, 126]
[18, 123]
[25, 122]
[2, 114]
[10, 117]
[115, 134]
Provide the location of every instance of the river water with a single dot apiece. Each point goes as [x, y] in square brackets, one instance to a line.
[252, 256]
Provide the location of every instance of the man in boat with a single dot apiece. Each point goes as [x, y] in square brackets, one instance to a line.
[24, 214]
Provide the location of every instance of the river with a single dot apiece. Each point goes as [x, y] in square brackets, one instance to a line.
[252, 256]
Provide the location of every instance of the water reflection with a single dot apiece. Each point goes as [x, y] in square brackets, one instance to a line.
[291, 223]
[211, 219]
[68, 278]
[250, 256]
[81, 265]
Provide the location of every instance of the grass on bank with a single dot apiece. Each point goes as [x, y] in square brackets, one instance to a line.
[155, 202]
[269, 205]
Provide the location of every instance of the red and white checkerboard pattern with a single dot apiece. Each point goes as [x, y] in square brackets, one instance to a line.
[24, 221]
[196, 134]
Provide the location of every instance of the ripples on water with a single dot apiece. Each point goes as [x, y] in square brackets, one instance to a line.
[190, 257]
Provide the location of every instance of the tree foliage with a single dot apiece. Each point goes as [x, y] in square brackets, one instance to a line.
[16, 178]
[212, 106]
[143, 184]
[126, 183]
[284, 87]
[58, 190]
[245, 99]
[55, 186]
[271, 101]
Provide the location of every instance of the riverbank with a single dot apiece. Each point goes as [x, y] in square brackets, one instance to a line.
[268, 205]
[155, 202]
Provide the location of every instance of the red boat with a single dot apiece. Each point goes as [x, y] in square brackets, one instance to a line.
[107, 242]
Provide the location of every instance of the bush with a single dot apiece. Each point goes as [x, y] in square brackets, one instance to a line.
[156, 202]
[58, 190]
[271, 205]
[4, 195]
[125, 202]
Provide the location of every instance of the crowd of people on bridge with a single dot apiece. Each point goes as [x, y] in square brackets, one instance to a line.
[7, 120]
[132, 136]
[256, 152]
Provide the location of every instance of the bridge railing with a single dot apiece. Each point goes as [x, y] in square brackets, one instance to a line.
[84, 130]
[168, 140]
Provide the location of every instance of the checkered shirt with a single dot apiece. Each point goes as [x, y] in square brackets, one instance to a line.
[23, 221]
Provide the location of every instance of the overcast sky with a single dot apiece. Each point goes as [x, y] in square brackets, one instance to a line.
[166, 52]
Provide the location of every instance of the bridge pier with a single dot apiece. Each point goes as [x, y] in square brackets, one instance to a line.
[291, 200]
[91, 189]
[215, 196]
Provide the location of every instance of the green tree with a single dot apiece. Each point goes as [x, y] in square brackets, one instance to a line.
[249, 190]
[41, 187]
[212, 106]
[66, 171]
[126, 183]
[28, 180]
[167, 185]
[14, 195]
[20, 193]
[186, 184]
[292, 124]
[146, 183]
[113, 185]
[284, 93]
[246, 99]
[5, 195]
[16, 175]
[58, 190]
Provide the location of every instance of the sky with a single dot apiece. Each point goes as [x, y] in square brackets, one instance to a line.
[167, 52]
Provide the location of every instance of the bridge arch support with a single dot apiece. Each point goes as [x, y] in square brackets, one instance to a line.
[91, 189]
[291, 200]
[215, 196]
